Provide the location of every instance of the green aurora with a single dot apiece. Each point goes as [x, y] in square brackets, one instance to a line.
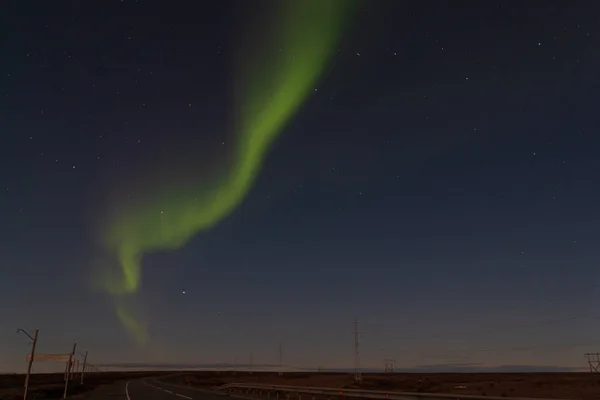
[272, 82]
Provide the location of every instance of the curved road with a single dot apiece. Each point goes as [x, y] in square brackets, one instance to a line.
[142, 389]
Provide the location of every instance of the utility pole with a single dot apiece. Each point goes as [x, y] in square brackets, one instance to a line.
[357, 373]
[84, 366]
[30, 364]
[280, 359]
[72, 371]
[75, 368]
[593, 360]
[69, 370]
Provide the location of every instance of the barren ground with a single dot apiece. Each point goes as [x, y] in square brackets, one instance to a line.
[580, 386]
[51, 386]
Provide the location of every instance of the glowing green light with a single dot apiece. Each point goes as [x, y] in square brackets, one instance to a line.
[273, 84]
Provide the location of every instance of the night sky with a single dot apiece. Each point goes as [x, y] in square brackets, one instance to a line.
[439, 181]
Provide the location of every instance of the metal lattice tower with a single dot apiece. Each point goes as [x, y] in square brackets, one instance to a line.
[593, 360]
[389, 365]
[357, 373]
[280, 359]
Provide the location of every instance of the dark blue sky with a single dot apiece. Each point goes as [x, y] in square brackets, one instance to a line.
[441, 185]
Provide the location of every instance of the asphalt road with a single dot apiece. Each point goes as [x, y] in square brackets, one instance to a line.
[145, 389]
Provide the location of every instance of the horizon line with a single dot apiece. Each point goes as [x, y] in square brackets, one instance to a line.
[431, 368]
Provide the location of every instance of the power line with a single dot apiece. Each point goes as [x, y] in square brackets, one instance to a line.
[510, 327]
[443, 353]
[469, 353]
[506, 327]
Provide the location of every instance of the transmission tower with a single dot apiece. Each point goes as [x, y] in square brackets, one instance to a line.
[357, 373]
[593, 360]
[389, 365]
[280, 359]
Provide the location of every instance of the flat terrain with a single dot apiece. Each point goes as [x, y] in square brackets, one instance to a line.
[582, 386]
[51, 386]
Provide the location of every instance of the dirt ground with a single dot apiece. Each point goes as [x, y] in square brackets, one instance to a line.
[575, 386]
[51, 386]
[581, 386]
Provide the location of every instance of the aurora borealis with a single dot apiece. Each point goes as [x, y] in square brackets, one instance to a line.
[194, 183]
[301, 41]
